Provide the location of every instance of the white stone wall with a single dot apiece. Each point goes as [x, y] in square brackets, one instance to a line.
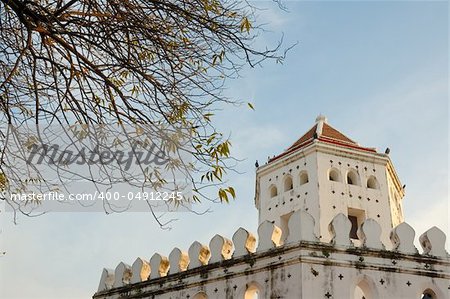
[395, 198]
[301, 197]
[324, 199]
[339, 197]
[303, 267]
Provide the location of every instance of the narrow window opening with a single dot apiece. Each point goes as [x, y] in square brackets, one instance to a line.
[354, 230]
[352, 178]
[284, 221]
[288, 184]
[356, 218]
[304, 178]
[334, 176]
[273, 191]
[372, 183]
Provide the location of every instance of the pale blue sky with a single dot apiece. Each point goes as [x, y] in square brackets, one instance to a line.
[378, 70]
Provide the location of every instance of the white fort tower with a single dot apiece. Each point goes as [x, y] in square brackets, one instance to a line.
[330, 226]
[326, 173]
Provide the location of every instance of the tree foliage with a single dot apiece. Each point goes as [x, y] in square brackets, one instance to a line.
[134, 62]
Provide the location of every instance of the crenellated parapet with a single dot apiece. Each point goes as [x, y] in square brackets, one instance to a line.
[229, 268]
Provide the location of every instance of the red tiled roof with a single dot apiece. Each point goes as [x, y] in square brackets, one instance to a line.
[327, 131]
[328, 135]
[307, 136]
[331, 132]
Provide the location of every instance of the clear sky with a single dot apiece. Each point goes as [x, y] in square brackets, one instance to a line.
[377, 70]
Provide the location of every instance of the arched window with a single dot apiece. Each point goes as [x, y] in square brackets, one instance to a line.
[372, 183]
[201, 295]
[359, 293]
[353, 178]
[365, 289]
[252, 292]
[273, 191]
[303, 178]
[334, 175]
[288, 185]
[428, 294]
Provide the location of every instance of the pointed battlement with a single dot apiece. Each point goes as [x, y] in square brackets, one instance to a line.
[249, 253]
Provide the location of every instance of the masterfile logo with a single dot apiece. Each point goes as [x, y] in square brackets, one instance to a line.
[116, 167]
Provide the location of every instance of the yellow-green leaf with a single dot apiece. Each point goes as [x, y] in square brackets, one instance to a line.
[223, 195]
[231, 191]
[245, 25]
[207, 116]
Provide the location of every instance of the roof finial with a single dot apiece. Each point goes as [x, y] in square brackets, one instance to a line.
[321, 118]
